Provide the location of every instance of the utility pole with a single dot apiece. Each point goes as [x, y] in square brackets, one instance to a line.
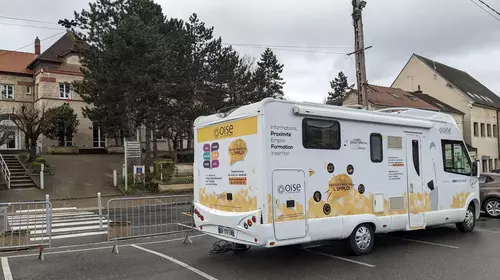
[359, 50]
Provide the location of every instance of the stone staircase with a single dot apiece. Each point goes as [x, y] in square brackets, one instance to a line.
[19, 177]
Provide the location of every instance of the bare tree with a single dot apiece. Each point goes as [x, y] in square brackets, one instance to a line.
[32, 121]
[7, 131]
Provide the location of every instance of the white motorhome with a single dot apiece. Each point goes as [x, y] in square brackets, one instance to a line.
[277, 173]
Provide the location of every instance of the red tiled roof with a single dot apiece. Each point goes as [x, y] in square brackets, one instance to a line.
[16, 62]
[395, 97]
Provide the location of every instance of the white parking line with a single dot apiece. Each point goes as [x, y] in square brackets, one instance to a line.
[70, 229]
[70, 235]
[100, 248]
[7, 275]
[42, 210]
[185, 265]
[340, 258]
[485, 230]
[58, 225]
[428, 243]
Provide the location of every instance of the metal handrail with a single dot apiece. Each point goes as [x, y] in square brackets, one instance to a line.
[5, 171]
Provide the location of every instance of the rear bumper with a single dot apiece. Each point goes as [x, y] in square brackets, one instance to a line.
[253, 233]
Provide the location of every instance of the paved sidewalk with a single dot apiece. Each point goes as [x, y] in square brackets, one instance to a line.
[74, 176]
[77, 179]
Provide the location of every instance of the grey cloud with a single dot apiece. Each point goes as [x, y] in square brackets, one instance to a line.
[453, 32]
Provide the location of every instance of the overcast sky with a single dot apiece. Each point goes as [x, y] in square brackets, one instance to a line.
[454, 32]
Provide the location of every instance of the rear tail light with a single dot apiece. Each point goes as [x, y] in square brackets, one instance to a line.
[196, 211]
[255, 239]
[201, 227]
[254, 219]
[249, 223]
[201, 218]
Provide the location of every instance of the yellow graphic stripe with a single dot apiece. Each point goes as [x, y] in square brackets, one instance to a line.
[228, 130]
[241, 202]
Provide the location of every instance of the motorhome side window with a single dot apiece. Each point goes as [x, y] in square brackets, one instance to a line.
[321, 134]
[416, 156]
[455, 157]
[376, 150]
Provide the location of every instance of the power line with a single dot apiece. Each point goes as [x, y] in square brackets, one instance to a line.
[33, 26]
[489, 7]
[32, 43]
[285, 49]
[30, 20]
[280, 46]
[482, 8]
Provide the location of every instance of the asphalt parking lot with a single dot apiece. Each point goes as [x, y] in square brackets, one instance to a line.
[439, 253]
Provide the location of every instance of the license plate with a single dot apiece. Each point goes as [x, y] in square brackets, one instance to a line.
[226, 231]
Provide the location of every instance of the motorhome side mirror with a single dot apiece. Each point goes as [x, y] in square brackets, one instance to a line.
[475, 171]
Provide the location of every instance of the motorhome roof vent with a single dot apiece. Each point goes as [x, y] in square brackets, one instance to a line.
[226, 111]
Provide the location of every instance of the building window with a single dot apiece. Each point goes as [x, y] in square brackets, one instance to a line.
[488, 129]
[485, 165]
[7, 91]
[65, 90]
[320, 134]
[476, 129]
[28, 90]
[495, 132]
[491, 164]
[482, 130]
[376, 148]
[455, 157]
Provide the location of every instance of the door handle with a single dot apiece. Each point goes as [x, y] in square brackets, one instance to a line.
[411, 188]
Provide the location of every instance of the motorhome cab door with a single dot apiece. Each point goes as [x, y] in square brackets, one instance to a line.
[415, 179]
[289, 200]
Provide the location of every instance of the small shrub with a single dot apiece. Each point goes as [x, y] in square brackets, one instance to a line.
[40, 160]
[37, 163]
[164, 169]
[185, 157]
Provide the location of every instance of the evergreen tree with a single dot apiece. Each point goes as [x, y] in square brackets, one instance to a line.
[340, 88]
[62, 125]
[124, 64]
[267, 78]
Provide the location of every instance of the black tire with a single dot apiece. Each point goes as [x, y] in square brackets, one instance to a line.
[492, 203]
[362, 239]
[469, 222]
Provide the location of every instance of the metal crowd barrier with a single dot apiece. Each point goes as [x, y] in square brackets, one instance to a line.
[137, 217]
[25, 225]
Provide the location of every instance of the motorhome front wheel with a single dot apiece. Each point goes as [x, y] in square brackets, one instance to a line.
[469, 221]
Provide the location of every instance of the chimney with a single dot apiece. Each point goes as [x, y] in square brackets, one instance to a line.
[37, 46]
[418, 90]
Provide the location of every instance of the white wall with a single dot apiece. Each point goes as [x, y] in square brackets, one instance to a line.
[417, 73]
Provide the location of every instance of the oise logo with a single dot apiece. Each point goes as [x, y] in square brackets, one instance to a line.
[211, 155]
[289, 188]
[223, 131]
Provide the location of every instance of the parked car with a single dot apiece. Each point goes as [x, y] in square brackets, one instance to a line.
[489, 191]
